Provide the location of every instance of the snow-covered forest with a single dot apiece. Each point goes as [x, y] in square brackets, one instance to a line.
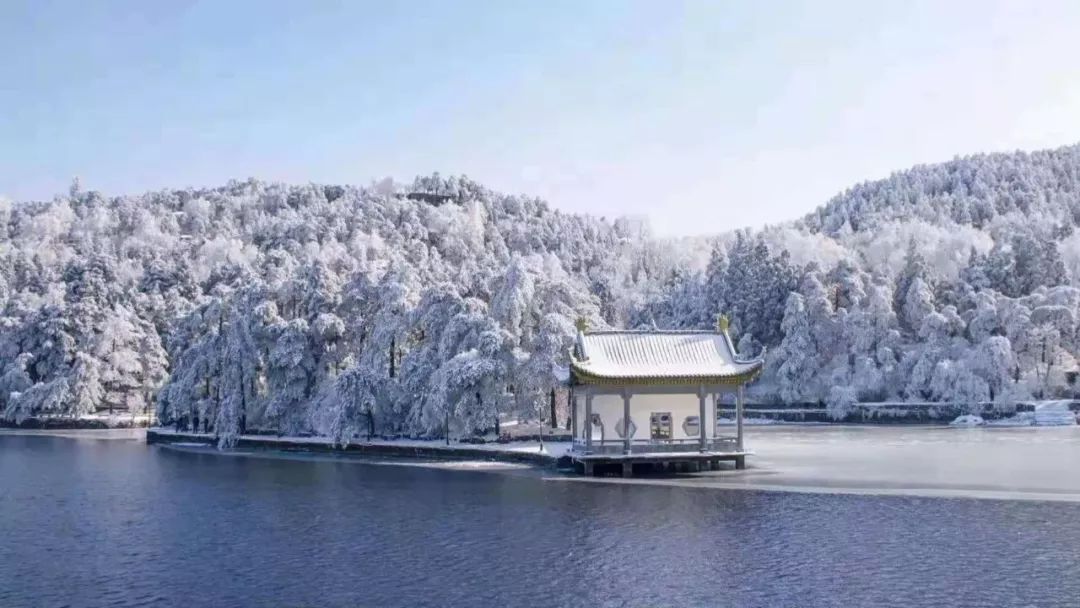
[410, 308]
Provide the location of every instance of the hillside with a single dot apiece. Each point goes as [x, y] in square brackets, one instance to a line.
[393, 308]
[989, 192]
[950, 281]
[113, 303]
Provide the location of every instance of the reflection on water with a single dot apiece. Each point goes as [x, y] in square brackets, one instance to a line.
[122, 524]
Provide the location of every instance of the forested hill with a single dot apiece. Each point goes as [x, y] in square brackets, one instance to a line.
[393, 308]
[262, 303]
[986, 191]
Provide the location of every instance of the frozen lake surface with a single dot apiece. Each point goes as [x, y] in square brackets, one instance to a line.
[89, 522]
[1035, 463]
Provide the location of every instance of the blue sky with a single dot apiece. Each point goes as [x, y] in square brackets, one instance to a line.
[701, 116]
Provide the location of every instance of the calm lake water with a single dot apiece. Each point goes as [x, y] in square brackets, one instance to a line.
[118, 523]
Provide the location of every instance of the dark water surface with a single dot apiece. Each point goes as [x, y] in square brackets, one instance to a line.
[118, 523]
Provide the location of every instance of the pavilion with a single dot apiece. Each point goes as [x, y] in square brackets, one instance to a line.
[650, 398]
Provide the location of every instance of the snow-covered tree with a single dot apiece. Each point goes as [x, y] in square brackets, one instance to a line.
[249, 304]
[993, 361]
[351, 411]
[915, 270]
[291, 371]
[797, 356]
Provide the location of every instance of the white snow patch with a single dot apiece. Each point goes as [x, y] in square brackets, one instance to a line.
[1047, 413]
[968, 420]
[1054, 413]
[1019, 419]
[554, 449]
[747, 421]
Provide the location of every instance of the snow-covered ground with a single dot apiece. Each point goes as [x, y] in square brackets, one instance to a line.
[94, 421]
[1047, 413]
[968, 421]
[104, 416]
[763, 422]
[1054, 413]
[125, 434]
[552, 449]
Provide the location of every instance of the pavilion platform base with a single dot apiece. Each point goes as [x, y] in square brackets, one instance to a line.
[628, 465]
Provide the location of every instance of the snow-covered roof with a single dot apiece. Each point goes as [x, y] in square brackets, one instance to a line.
[667, 357]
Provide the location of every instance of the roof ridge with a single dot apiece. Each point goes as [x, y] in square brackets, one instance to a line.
[651, 332]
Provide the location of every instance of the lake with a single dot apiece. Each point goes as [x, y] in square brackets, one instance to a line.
[90, 522]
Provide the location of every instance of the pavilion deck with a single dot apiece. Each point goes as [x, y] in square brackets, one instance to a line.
[667, 455]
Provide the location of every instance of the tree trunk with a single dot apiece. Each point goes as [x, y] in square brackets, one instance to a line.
[241, 427]
[393, 359]
[1049, 361]
[569, 409]
[554, 416]
[480, 407]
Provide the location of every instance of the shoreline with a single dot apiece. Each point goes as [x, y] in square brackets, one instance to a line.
[519, 452]
[85, 423]
[96, 434]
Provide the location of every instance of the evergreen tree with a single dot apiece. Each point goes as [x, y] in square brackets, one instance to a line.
[914, 270]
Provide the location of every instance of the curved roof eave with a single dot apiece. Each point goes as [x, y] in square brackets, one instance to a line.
[584, 376]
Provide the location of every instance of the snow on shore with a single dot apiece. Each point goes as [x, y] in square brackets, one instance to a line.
[118, 434]
[1046, 413]
[102, 420]
[549, 448]
[968, 420]
[1054, 413]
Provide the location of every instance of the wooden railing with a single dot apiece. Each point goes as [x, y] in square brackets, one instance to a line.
[641, 446]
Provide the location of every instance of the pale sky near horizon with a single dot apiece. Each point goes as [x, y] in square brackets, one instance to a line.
[701, 116]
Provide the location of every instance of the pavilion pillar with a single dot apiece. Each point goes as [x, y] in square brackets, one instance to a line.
[715, 415]
[739, 417]
[626, 421]
[701, 419]
[588, 422]
[573, 415]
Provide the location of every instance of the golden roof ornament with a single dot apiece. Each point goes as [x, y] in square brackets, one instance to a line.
[722, 323]
[581, 324]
